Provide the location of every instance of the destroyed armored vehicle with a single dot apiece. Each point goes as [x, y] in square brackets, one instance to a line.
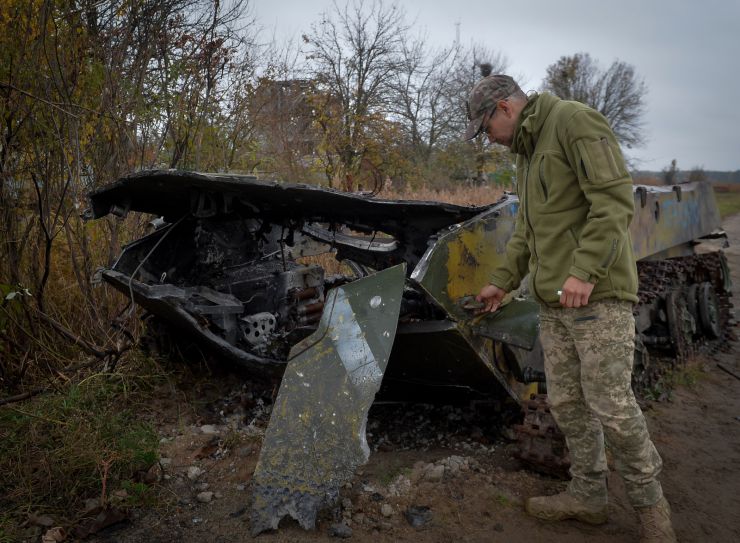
[231, 264]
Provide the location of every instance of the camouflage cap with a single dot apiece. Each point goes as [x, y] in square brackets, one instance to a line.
[483, 98]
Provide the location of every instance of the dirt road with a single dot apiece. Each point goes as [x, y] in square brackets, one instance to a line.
[479, 496]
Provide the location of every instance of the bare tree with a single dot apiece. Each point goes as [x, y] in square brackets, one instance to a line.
[420, 94]
[617, 92]
[429, 96]
[473, 60]
[476, 61]
[197, 61]
[353, 53]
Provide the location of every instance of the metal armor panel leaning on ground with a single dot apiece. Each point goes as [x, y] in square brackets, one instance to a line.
[316, 437]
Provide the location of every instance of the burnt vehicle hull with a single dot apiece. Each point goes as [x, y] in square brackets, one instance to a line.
[240, 237]
[230, 269]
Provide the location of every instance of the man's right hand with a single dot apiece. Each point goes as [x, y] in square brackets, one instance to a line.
[490, 295]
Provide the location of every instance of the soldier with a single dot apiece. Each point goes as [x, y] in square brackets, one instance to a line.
[572, 238]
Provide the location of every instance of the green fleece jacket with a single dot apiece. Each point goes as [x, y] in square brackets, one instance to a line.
[576, 203]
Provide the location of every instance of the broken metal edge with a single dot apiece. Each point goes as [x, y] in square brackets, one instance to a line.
[167, 308]
[422, 268]
[516, 323]
[160, 191]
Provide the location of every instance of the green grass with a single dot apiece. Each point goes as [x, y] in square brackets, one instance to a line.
[686, 376]
[55, 449]
[503, 500]
[728, 203]
[389, 475]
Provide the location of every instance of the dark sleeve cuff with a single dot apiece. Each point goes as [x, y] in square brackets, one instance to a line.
[583, 275]
[506, 284]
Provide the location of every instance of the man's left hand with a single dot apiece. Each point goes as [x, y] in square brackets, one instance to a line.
[575, 292]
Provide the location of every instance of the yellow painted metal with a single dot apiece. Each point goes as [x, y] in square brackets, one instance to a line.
[471, 257]
[460, 263]
[526, 391]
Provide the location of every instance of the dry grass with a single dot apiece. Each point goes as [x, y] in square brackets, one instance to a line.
[727, 187]
[654, 181]
[58, 448]
[464, 195]
[31, 350]
[728, 198]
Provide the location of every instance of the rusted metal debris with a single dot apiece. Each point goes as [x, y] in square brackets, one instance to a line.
[541, 443]
[684, 302]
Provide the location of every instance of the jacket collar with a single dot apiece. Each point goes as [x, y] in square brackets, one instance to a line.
[531, 121]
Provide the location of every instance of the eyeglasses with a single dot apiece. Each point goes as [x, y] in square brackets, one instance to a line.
[484, 124]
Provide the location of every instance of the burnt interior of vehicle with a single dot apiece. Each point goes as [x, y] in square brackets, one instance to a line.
[225, 262]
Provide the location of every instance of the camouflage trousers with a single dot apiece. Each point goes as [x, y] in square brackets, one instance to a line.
[588, 365]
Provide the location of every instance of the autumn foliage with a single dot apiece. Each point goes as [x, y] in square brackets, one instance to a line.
[92, 90]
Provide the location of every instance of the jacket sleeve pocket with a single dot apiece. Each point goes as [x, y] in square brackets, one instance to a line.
[598, 160]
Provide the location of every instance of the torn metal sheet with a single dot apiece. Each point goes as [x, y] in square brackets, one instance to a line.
[316, 436]
[458, 264]
[517, 323]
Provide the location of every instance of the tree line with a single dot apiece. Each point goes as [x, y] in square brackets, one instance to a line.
[91, 90]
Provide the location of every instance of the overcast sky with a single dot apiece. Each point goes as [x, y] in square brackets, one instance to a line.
[688, 53]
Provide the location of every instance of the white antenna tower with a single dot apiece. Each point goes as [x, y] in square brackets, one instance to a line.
[457, 33]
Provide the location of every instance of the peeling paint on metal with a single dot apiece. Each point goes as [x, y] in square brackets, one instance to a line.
[665, 222]
[460, 262]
